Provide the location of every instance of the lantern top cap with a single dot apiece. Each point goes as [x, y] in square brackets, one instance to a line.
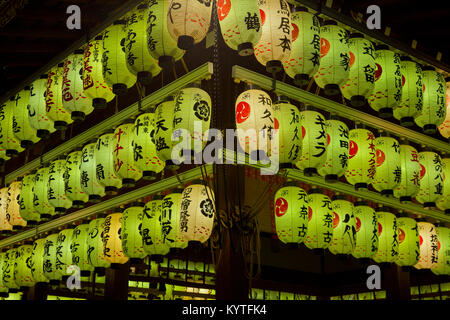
[78, 51]
[252, 86]
[26, 88]
[157, 197]
[361, 203]
[168, 98]
[299, 9]
[79, 148]
[60, 65]
[447, 79]
[315, 190]
[291, 184]
[402, 214]
[19, 179]
[428, 68]
[108, 131]
[356, 35]
[405, 58]
[383, 209]
[329, 23]
[176, 190]
[194, 85]
[99, 37]
[142, 6]
[43, 76]
[421, 220]
[61, 157]
[198, 181]
[33, 171]
[381, 47]
[93, 140]
[128, 121]
[335, 117]
[136, 204]
[117, 210]
[282, 99]
[118, 22]
[339, 197]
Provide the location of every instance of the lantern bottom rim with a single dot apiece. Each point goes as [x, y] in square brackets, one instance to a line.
[13, 290]
[149, 175]
[274, 66]
[111, 190]
[60, 125]
[100, 271]
[144, 77]
[46, 217]
[95, 198]
[26, 144]
[387, 192]
[361, 185]
[115, 266]
[171, 166]
[286, 166]
[407, 121]
[77, 204]
[99, 103]
[12, 153]
[245, 49]
[43, 134]
[447, 211]
[301, 79]
[429, 205]
[185, 42]
[85, 273]
[165, 61]
[128, 183]
[331, 89]
[309, 172]
[136, 261]
[54, 282]
[429, 128]
[158, 258]
[405, 199]
[385, 113]
[331, 178]
[17, 227]
[358, 101]
[60, 210]
[6, 232]
[78, 116]
[31, 222]
[119, 89]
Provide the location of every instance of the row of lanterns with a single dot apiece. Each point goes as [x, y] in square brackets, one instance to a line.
[327, 147]
[140, 230]
[358, 230]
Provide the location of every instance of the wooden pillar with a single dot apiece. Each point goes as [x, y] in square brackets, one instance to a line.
[38, 292]
[396, 282]
[116, 282]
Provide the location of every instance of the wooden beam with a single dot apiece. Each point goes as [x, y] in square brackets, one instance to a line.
[45, 33]
[116, 282]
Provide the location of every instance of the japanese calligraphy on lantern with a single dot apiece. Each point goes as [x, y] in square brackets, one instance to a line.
[361, 159]
[388, 172]
[410, 173]
[320, 221]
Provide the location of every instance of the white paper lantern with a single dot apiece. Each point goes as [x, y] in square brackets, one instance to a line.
[79, 249]
[366, 231]
[12, 206]
[95, 252]
[10, 142]
[443, 265]
[3, 120]
[320, 220]
[37, 261]
[132, 244]
[163, 130]
[112, 238]
[5, 227]
[49, 256]
[428, 246]
[408, 239]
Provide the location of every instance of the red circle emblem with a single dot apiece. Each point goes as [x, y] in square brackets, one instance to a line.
[242, 111]
[335, 220]
[223, 8]
[276, 124]
[263, 16]
[358, 224]
[380, 229]
[303, 132]
[353, 149]
[309, 213]
[294, 32]
[403, 80]
[328, 139]
[401, 235]
[380, 157]
[422, 171]
[352, 59]
[423, 88]
[420, 240]
[324, 47]
[281, 206]
[378, 71]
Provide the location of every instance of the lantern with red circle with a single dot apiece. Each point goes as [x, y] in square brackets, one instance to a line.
[444, 128]
[428, 241]
[408, 242]
[291, 213]
[410, 174]
[431, 179]
[334, 58]
[388, 172]
[275, 44]
[344, 226]
[22, 128]
[387, 236]
[366, 231]
[443, 203]
[443, 264]
[320, 220]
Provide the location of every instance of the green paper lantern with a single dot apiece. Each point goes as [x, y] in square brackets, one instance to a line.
[54, 101]
[11, 144]
[103, 157]
[115, 70]
[23, 275]
[137, 53]
[361, 158]
[5, 226]
[443, 203]
[188, 21]
[388, 239]
[360, 81]
[291, 213]
[431, 179]
[40, 190]
[74, 99]
[410, 173]
[95, 253]
[388, 172]
[63, 251]
[304, 59]
[287, 121]
[163, 130]
[37, 261]
[3, 118]
[72, 180]
[344, 226]
[26, 208]
[132, 244]
[443, 264]
[320, 221]
[334, 58]
[434, 108]
[170, 220]
[387, 93]
[22, 129]
[429, 246]
[337, 151]
[88, 170]
[12, 206]
[112, 241]
[160, 43]
[152, 237]
[314, 142]
[9, 267]
[79, 248]
[37, 109]
[144, 149]
[240, 24]
[94, 85]
[408, 242]
[444, 128]
[366, 232]
[275, 43]
[123, 155]
[3, 288]
[50, 270]
[56, 192]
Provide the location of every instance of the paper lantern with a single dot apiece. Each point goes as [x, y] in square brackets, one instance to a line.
[388, 172]
[163, 130]
[443, 264]
[287, 118]
[11, 143]
[410, 174]
[191, 119]
[144, 149]
[3, 118]
[21, 126]
[88, 170]
[37, 261]
[344, 226]
[79, 249]
[12, 206]
[152, 237]
[137, 53]
[197, 212]
[94, 85]
[334, 58]
[387, 93]
[9, 267]
[304, 59]
[23, 275]
[26, 196]
[366, 231]
[37, 108]
[444, 128]
[320, 220]
[337, 151]
[434, 108]
[314, 142]
[103, 158]
[160, 43]
[170, 220]
[74, 99]
[112, 241]
[360, 82]
[95, 253]
[388, 239]
[431, 179]
[54, 100]
[123, 154]
[56, 189]
[254, 121]
[5, 227]
[240, 24]
[49, 263]
[63, 251]
[443, 203]
[291, 213]
[114, 61]
[428, 241]
[132, 231]
[275, 43]
[188, 21]
[72, 180]
[40, 190]
[361, 158]
[408, 242]
[3, 288]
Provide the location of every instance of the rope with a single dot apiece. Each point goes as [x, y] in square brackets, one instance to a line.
[184, 65]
